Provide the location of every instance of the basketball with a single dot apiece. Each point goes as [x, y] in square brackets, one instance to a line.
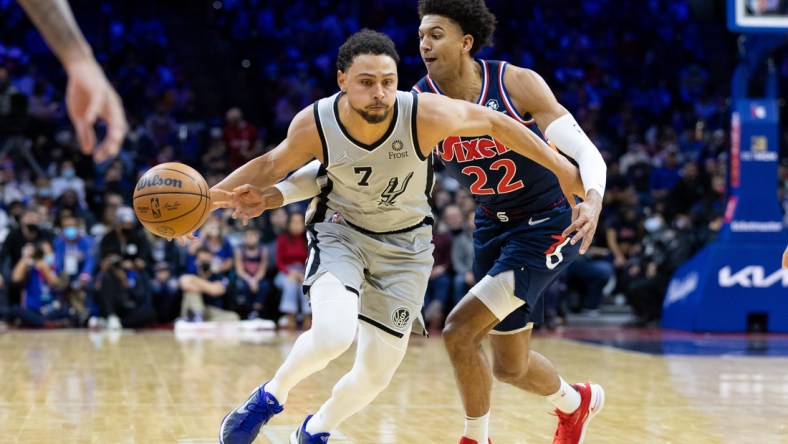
[171, 200]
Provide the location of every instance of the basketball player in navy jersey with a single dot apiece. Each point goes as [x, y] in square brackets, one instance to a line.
[370, 226]
[523, 221]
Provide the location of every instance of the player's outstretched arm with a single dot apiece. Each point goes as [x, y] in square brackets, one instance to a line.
[531, 94]
[300, 185]
[249, 182]
[89, 95]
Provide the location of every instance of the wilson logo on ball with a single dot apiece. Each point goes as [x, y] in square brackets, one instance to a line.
[158, 181]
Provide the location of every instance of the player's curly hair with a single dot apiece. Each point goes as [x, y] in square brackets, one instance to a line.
[365, 41]
[472, 16]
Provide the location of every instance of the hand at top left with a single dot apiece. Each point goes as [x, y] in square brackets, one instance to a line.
[89, 97]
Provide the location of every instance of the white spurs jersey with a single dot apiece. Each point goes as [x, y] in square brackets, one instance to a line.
[380, 188]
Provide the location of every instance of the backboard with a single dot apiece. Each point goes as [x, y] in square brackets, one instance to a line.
[758, 16]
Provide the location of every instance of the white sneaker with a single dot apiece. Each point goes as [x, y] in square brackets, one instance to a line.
[113, 323]
[96, 322]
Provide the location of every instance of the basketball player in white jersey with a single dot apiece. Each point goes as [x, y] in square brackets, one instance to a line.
[514, 229]
[370, 225]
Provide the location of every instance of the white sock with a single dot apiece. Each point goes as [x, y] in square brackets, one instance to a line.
[377, 357]
[566, 399]
[315, 424]
[477, 428]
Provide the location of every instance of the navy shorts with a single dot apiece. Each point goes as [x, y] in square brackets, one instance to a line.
[530, 246]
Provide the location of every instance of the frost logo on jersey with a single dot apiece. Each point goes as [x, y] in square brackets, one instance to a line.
[397, 146]
[492, 104]
[468, 149]
[400, 317]
[389, 196]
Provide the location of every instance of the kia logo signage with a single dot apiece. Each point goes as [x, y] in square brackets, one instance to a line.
[752, 276]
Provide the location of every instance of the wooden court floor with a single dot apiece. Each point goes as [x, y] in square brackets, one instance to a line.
[151, 387]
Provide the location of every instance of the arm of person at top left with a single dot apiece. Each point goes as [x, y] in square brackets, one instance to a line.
[440, 117]
[248, 182]
[89, 95]
[530, 93]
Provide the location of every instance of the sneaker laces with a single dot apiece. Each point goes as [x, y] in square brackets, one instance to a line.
[566, 422]
[259, 412]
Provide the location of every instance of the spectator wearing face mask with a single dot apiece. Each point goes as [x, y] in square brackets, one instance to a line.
[68, 180]
[123, 295]
[204, 291]
[40, 304]
[29, 232]
[15, 187]
[665, 248]
[126, 255]
[74, 257]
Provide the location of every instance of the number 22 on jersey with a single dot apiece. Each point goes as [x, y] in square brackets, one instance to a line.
[480, 185]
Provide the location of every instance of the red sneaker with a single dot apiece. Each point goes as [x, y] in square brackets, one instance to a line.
[465, 440]
[572, 426]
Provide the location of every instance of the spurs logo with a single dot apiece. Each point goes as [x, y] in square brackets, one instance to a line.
[400, 317]
[389, 196]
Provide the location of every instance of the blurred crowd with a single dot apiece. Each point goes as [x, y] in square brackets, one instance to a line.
[638, 76]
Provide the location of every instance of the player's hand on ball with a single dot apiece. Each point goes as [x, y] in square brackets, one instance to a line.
[183, 240]
[221, 199]
[250, 201]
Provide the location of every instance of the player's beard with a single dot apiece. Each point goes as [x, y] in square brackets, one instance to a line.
[373, 118]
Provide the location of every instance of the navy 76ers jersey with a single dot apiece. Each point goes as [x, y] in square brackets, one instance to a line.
[498, 178]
